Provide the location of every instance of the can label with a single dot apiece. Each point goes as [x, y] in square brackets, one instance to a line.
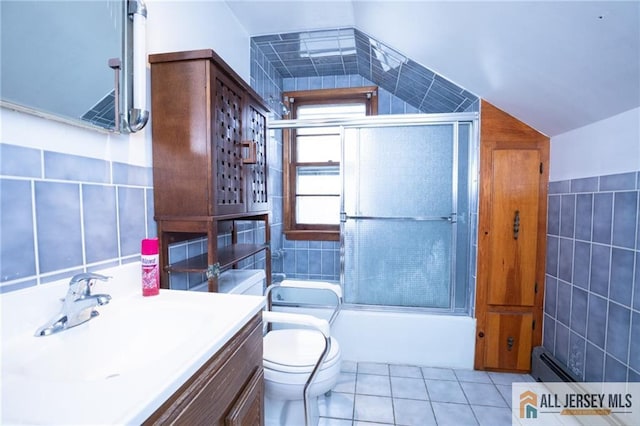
[150, 275]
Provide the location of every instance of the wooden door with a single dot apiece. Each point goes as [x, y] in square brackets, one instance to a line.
[511, 241]
[514, 227]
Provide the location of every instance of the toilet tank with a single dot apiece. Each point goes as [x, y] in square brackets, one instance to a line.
[242, 281]
[239, 281]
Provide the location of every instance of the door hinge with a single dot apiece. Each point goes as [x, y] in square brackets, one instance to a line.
[541, 168]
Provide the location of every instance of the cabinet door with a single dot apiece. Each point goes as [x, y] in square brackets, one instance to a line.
[256, 171]
[226, 128]
[514, 226]
[249, 407]
[508, 340]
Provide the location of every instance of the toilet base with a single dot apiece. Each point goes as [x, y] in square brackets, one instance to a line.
[282, 412]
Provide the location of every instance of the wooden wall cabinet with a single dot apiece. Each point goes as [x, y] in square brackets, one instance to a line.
[228, 390]
[209, 138]
[514, 161]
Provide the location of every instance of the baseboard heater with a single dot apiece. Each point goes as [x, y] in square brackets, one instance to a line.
[545, 368]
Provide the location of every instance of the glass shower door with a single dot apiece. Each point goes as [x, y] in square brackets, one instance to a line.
[399, 214]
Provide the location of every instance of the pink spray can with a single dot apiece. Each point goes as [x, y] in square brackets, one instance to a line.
[150, 267]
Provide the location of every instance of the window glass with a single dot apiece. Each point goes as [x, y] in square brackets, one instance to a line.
[318, 180]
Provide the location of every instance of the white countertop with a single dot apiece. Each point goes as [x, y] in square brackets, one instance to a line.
[119, 367]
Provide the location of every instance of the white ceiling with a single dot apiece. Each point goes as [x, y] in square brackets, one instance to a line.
[556, 65]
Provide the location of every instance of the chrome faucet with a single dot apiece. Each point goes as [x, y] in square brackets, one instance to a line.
[78, 305]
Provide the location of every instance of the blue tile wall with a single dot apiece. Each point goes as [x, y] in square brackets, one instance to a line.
[62, 214]
[307, 55]
[593, 272]
[321, 260]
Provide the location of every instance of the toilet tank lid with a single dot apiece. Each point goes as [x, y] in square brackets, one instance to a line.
[238, 281]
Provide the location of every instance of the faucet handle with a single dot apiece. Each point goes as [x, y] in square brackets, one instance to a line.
[80, 284]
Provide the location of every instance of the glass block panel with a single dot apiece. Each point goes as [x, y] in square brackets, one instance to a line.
[318, 180]
[412, 164]
[383, 269]
[318, 148]
[313, 210]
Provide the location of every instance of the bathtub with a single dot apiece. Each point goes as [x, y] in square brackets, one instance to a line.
[399, 337]
[409, 338]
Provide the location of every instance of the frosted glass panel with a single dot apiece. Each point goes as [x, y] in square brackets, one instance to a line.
[399, 171]
[318, 180]
[316, 210]
[398, 263]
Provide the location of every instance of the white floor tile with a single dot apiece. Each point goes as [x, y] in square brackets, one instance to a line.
[492, 416]
[410, 412]
[453, 414]
[483, 394]
[369, 394]
[472, 376]
[373, 368]
[406, 387]
[405, 371]
[371, 384]
[438, 373]
[373, 409]
[445, 391]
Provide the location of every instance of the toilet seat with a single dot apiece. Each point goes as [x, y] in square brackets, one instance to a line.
[296, 351]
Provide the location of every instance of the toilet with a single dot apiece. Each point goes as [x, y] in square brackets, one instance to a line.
[290, 356]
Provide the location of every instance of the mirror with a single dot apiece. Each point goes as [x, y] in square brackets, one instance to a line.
[69, 61]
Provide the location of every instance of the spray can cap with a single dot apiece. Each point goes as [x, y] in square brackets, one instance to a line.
[149, 246]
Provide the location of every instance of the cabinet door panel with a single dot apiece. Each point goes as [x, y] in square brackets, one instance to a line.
[514, 227]
[508, 340]
[249, 407]
[256, 174]
[180, 151]
[228, 170]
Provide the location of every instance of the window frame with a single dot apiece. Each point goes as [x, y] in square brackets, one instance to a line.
[367, 95]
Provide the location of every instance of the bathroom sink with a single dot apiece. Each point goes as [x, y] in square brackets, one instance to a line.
[121, 365]
[125, 337]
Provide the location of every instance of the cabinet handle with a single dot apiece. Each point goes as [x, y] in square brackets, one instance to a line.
[252, 152]
[516, 225]
[510, 342]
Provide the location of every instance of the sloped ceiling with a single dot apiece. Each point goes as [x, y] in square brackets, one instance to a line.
[555, 65]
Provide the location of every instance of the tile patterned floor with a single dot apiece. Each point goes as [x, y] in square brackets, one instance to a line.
[387, 394]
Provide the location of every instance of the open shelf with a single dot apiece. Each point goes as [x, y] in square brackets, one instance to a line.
[227, 256]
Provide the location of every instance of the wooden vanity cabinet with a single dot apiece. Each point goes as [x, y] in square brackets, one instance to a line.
[209, 140]
[227, 390]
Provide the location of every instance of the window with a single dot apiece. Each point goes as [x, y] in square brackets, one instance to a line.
[311, 163]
